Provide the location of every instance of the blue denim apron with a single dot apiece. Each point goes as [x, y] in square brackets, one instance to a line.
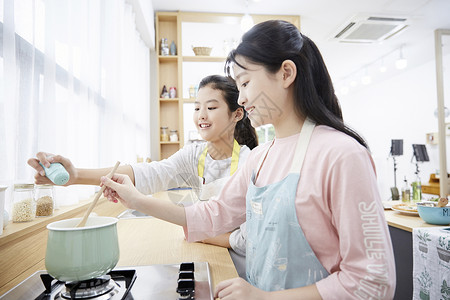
[278, 255]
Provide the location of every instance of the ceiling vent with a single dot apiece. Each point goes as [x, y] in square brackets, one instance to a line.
[370, 29]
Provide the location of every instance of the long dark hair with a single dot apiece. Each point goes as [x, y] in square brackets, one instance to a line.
[244, 133]
[269, 44]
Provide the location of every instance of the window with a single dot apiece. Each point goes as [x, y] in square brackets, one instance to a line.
[74, 80]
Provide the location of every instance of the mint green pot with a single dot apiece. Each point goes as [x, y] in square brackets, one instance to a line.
[81, 253]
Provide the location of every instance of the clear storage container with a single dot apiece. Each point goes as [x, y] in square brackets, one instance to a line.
[24, 205]
[45, 203]
[173, 136]
[164, 134]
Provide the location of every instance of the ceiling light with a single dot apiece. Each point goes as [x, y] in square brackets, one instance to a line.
[366, 79]
[401, 62]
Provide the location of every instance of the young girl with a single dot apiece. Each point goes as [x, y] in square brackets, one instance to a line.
[230, 137]
[315, 221]
[219, 120]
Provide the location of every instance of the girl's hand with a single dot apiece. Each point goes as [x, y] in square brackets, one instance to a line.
[121, 188]
[238, 288]
[46, 159]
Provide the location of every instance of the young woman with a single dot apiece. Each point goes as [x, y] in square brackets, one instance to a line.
[315, 221]
[203, 166]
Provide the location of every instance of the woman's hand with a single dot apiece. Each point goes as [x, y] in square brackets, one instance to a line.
[238, 288]
[46, 159]
[121, 188]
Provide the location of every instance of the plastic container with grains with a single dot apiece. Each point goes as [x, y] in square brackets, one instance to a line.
[44, 200]
[24, 205]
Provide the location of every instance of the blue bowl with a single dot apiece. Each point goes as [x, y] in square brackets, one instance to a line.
[433, 214]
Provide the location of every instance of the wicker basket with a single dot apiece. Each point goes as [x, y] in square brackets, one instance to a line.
[205, 51]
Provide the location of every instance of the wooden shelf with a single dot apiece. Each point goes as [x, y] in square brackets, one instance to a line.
[169, 74]
[202, 58]
[169, 143]
[168, 57]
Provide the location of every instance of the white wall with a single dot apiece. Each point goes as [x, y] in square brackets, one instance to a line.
[401, 107]
[143, 10]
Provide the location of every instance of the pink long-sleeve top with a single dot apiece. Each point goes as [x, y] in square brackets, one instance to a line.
[338, 207]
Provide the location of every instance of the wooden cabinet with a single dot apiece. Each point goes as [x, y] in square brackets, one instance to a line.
[169, 76]
[169, 25]
[433, 186]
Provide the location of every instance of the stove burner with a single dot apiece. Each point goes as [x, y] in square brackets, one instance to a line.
[90, 288]
[101, 288]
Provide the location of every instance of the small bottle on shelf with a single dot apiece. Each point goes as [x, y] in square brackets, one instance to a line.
[164, 47]
[173, 48]
[172, 92]
[406, 192]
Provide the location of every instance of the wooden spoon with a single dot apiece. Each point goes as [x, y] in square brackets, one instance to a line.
[442, 202]
[97, 196]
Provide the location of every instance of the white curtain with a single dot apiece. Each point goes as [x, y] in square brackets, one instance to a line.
[74, 80]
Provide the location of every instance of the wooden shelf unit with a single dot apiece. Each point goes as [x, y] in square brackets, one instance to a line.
[170, 68]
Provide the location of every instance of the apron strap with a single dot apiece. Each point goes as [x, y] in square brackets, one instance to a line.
[302, 145]
[300, 150]
[201, 162]
[234, 159]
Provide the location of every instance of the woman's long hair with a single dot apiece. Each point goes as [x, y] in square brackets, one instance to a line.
[269, 44]
[244, 133]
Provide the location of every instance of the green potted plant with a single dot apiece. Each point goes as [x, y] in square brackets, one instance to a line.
[445, 290]
[425, 284]
[444, 248]
[424, 238]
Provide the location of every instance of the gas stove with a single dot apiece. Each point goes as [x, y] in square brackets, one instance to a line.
[179, 281]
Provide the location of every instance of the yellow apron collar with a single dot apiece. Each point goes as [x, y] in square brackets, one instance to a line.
[234, 159]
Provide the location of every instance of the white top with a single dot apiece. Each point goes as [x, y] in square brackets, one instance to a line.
[180, 169]
[238, 240]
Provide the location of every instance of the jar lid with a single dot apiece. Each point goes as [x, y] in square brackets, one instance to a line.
[173, 130]
[164, 127]
[44, 186]
[3, 187]
[23, 186]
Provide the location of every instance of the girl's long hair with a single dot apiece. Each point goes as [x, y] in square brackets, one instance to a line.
[272, 42]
